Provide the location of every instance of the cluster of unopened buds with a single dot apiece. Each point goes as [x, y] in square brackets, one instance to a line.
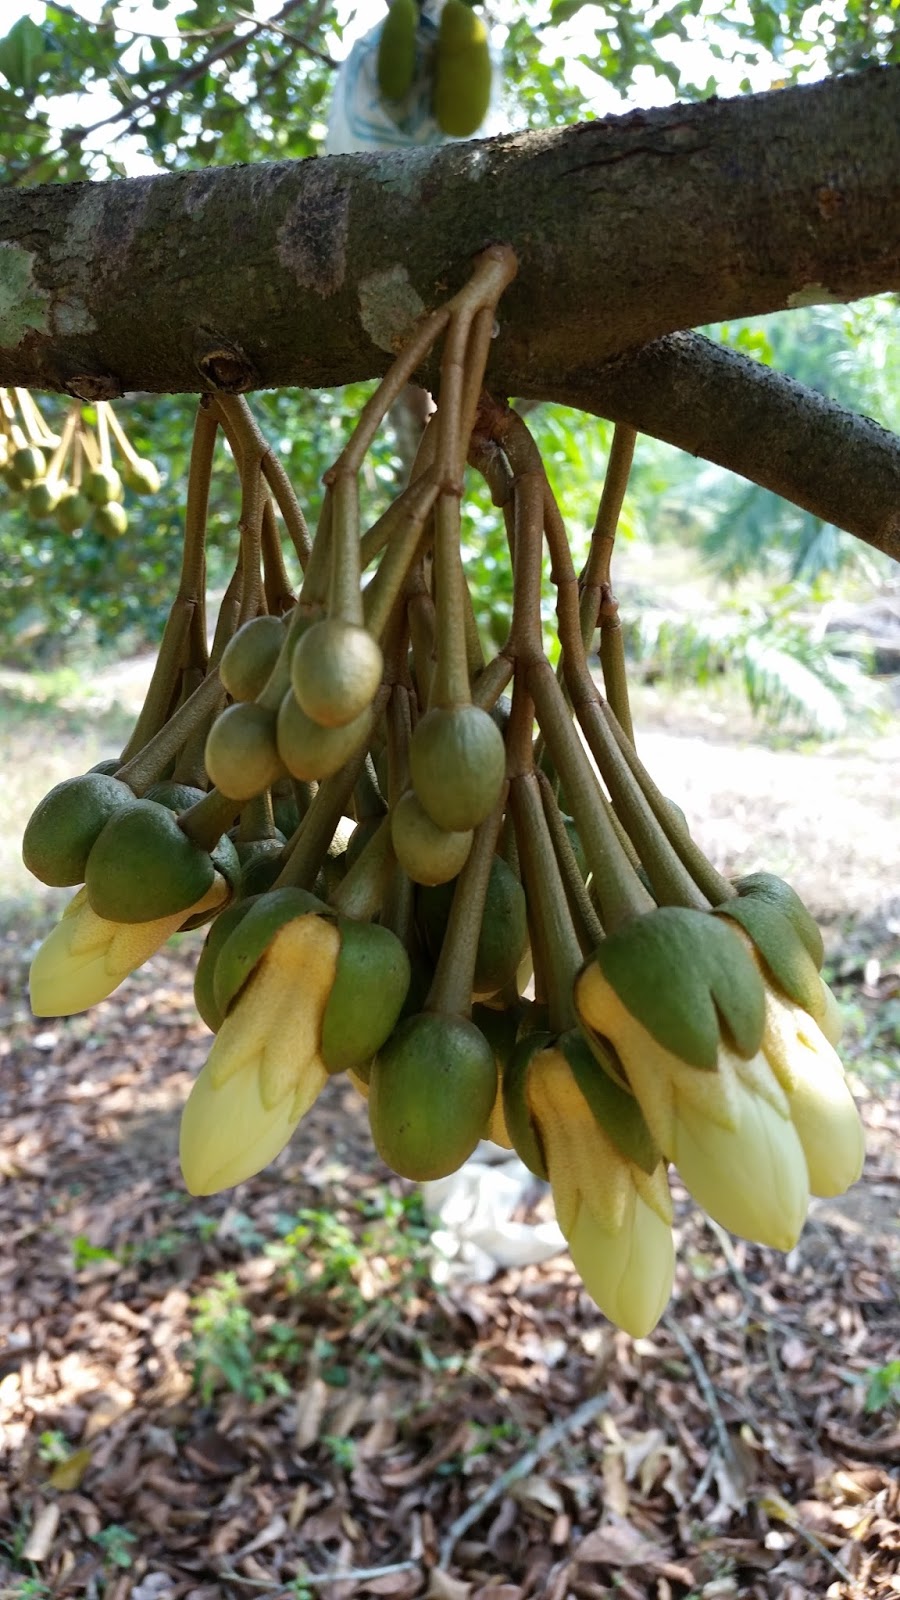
[71, 476]
[479, 906]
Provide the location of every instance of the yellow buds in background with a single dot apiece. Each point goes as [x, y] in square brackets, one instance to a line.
[85, 957]
[462, 84]
[265, 1068]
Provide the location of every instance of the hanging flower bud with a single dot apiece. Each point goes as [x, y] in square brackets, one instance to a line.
[265, 1068]
[295, 994]
[681, 1001]
[786, 945]
[821, 1105]
[802, 1025]
[86, 957]
[614, 1208]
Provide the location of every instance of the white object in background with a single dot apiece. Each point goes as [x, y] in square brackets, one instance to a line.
[360, 120]
[471, 1212]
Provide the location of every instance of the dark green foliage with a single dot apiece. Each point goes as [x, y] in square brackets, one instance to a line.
[222, 92]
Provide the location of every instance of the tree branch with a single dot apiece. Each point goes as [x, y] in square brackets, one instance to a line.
[717, 404]
[626, 230]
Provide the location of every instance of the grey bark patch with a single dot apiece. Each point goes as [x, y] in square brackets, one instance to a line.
[200, 187]
[312, 240]
[71, 316]
[389, 307]
[24, 306]
[96, 247]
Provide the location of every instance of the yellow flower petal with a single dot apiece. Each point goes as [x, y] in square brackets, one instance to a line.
[752, 1180]
[658, 1079]
[821, 1105]
[264, 1069]
[583, 1164]
[85, 957]
[616, 1218]
[627, 1272]
[831, 1017]
[729, 1132]
[496, 1129]
[228, 1134]
[297, 965]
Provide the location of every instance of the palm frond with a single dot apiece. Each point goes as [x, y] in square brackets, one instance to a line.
[779, 685]
[787, 674]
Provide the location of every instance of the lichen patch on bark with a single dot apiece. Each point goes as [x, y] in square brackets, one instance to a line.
[199, 188]
[389, 307]
[96, 246]
[24, 306]
[814, 294]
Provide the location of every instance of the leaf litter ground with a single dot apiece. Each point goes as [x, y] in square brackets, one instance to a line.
[240, 1396]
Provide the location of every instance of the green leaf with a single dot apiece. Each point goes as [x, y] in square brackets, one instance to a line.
[23, 54]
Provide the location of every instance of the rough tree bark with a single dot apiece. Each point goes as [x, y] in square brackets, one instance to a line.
[626, 230]
[717, 404]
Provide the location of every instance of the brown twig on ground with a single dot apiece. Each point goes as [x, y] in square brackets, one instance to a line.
[775, 1506]
[318, 1580]
[707, 1389]
[545, 1442]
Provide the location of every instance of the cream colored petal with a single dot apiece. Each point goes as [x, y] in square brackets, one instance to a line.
[831, 1017]
[283, 1002]
[85, 957]
[584, 1165]
[653, 1189]
[61, 981]
[264, 1069]
[752, 1180]
[658, 1078]
[628, 1272]
[496, 1129]
[757, 1076]
[228, 1134]
[821, 1105]
[831, 1133]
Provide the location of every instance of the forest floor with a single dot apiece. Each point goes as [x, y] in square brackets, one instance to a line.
[256, 1394]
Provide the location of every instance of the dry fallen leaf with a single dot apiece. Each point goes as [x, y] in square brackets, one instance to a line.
[442, 1587]
[312, 1403]
[619, 1543]
[40, 1540]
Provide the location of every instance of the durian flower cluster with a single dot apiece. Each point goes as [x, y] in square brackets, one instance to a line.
[435, 889]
